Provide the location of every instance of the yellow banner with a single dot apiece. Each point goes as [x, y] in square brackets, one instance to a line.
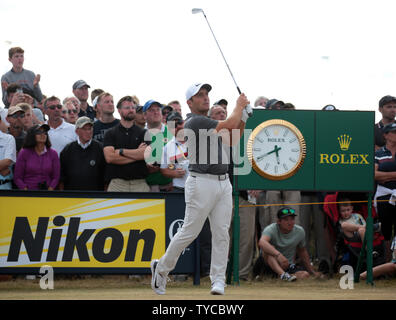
[81, 232]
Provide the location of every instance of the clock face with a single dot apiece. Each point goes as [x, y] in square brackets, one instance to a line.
[276, 149]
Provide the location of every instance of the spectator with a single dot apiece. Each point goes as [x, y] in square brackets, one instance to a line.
[76, 103]
[385, 170]
[312, 219]
[157, 130]
[82, 161]
[124, 149]
[94, 99]
[25, 78]
[352, 224]
[281, 242]
[274, 104]
[71, 112]
[261, 102]
[14, 117]
[80, 90]
[105, 106]
[174, 164]
[7, 159]
[165, 111]
[61, 133]
[140, 120]
[30, 119]
[176, 106]
[37, 166]
[217, 113]
[222, 103]
[387, 269]
[387, 107]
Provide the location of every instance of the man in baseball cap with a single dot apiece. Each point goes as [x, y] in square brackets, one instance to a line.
[281, 242]
[194, 88]
[207, 185]
[80, 90]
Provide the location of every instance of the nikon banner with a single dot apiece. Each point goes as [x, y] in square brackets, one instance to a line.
[107, 235]
[335, 151]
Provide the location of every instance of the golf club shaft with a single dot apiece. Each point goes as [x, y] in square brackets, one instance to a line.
[248, 107]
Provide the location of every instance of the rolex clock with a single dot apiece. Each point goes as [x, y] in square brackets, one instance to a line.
[276, 149]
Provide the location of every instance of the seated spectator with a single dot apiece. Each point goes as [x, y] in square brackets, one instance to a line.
[281, 242]
[387, 269]
[37, 166]
[7, 159]
[352, 224]
[82, 161]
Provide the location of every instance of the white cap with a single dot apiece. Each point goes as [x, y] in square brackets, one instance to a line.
[193, 89]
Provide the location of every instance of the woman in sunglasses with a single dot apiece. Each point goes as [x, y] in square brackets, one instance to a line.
[37, 166]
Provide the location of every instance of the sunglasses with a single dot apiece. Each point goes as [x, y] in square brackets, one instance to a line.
[40, 132]
[72, 111]
[287, 211]
[58, 106]
[16, 115]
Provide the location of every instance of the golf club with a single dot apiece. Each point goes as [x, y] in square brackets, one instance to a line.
[248, 108]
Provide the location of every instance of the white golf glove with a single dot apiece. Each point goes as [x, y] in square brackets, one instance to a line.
[245, 115]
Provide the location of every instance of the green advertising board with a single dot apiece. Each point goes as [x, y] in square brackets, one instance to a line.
[338, 145]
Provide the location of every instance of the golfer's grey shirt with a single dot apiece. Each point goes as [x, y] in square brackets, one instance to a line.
[206, 152]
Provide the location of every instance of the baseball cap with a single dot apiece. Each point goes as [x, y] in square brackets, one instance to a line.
[149, 103]
[82, 121]
[386, 99]
[167, 108]
[194, 88]
[389, 127]
[44, 126]
[329, 107]
[14, 109]
[174, 115]
[222, 101]
[79, 84]
[139, 108]
[286, 212]
[271, 104]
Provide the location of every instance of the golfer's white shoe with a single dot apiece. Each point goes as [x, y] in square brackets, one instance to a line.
[217, 288]
[158, 281]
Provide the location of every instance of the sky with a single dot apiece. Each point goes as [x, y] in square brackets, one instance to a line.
[307, 52]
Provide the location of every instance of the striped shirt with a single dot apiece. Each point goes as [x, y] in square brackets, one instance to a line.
[386, 162]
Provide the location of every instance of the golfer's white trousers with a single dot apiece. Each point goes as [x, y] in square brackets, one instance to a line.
[206, 197]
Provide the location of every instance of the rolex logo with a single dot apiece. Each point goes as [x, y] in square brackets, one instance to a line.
[344, 140]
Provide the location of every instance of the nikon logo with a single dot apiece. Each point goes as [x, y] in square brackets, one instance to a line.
[344, 141]
[76, 241]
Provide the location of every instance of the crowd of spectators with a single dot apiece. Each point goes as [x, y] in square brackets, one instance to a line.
[51, 144]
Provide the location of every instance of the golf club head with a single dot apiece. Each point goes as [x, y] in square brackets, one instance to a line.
[196, 10]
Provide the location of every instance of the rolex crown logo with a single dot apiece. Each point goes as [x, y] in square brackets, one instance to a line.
[344, 140]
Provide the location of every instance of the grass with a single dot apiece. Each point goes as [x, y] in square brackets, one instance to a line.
[122, 288]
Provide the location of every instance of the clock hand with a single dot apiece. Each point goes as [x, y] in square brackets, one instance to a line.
[276, 149]
[277, 153]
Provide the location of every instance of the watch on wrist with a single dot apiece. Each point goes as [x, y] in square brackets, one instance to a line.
[121, 152]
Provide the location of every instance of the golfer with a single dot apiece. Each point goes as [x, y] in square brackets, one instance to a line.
[208, 191]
